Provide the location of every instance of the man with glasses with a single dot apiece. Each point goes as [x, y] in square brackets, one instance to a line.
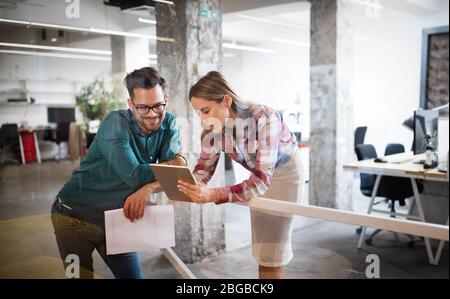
[115, 173]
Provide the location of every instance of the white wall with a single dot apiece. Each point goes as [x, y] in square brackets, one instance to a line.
[387, 72]
[136, 53]
[279, 80]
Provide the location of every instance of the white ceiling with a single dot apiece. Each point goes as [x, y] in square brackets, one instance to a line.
[296, 13]
[252, 31]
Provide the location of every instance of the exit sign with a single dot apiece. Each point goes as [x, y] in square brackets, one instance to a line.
[210, 14]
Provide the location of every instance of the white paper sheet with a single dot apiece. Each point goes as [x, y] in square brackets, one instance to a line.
[154, 231]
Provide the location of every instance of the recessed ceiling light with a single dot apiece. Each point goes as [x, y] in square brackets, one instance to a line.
[53, 48]
[247, 48]
[369, 3]
[90, 29]
[290, 42]
[147, 21]
[271, 22]
[58, 55]
[165, 1]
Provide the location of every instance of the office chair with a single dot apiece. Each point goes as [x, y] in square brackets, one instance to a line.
[394, 148]
[365, 152]
[10, 142]
[61, 135]
[391, 188]
[360, 134]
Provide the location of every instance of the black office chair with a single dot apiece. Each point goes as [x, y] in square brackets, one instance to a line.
[393, 183]
[61, 135]
[366, 152]
[360, 135]
[62, 132]
[49, 135]
[391, 188]
[394, 148]
[10, 143]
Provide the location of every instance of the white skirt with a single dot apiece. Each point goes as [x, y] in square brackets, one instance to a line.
[271, 232]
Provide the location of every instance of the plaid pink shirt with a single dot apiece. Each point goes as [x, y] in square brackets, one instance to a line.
[264, 143]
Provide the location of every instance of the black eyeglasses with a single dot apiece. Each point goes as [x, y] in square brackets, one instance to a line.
[145, 109]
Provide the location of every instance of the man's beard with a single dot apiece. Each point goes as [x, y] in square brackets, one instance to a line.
[149, 129]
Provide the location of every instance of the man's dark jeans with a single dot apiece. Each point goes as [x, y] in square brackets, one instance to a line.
[80, 230]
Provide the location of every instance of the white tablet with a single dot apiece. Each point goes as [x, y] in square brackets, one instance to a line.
[168, 176]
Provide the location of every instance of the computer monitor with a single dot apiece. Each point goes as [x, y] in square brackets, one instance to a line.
[60, 115]
[425, 130]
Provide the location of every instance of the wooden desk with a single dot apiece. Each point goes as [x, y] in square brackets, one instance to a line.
[401, 165]
[408, 169]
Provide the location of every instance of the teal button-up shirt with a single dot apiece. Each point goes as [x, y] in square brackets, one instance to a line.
[117, 163]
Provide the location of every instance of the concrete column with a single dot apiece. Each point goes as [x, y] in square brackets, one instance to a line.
[331, 103]
[196, 27]
[128, 54]
[118, 54]
[118, 65]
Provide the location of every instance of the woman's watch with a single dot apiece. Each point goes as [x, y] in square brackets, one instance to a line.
[153, 200]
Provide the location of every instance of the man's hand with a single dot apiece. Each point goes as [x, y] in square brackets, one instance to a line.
[178, 160]
[198, 193]
[136, 202]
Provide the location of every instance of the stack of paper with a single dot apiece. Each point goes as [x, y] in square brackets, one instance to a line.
[154, 231]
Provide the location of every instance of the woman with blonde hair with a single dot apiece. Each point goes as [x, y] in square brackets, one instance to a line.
[256, 137]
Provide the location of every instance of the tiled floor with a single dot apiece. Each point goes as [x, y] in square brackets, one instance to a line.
[321, 249]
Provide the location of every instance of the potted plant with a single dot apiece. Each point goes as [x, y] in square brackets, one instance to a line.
[96, 100]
